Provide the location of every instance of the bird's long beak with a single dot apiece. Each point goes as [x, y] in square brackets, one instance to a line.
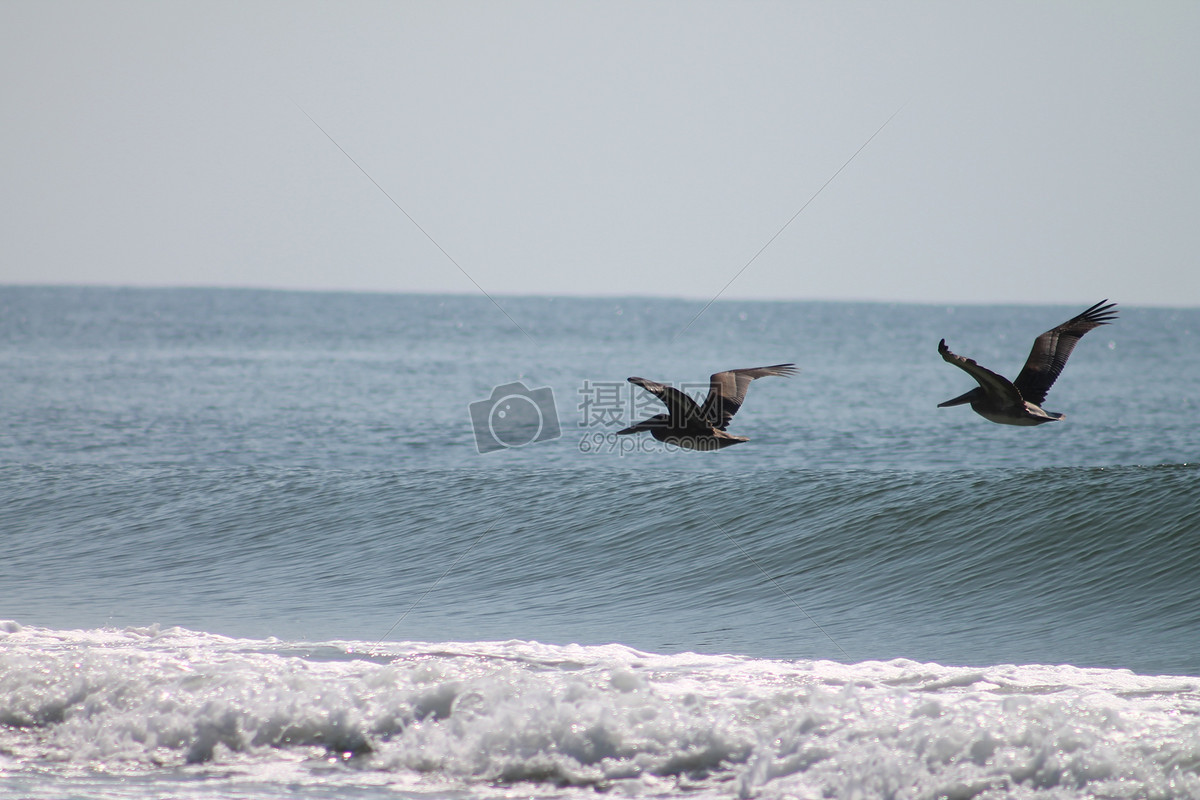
[644, 425]
[958, 401]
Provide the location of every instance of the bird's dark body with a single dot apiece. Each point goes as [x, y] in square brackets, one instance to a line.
[692, 437]
[702, 427]
[1019, 402]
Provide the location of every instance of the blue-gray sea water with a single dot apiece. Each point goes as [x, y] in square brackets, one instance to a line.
[275, 544]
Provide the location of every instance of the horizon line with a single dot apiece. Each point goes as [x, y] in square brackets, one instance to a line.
[150, 287]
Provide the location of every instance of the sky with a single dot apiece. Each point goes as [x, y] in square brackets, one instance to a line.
[926, 152]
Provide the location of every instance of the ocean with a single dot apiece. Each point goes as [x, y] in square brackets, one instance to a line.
[266, 544]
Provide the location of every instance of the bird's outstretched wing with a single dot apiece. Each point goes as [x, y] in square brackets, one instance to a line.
[995, 385]
[727, 391]
[682, 408]
[1052, 349]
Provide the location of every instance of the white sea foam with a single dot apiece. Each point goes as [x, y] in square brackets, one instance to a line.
[487, 718]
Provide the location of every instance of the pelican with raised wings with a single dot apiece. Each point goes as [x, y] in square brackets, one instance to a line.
[1020, 402]
[702, 427]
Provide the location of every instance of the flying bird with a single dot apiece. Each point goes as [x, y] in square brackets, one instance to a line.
[1020, 402]
[702, 427]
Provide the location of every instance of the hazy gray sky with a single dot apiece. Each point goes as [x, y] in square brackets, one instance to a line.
[1043, 152]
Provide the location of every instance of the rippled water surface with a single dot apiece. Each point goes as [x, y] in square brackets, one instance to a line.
[369, 605]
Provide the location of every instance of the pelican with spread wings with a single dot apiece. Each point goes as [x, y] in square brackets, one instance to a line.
[1020, 402]
[702, 427]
